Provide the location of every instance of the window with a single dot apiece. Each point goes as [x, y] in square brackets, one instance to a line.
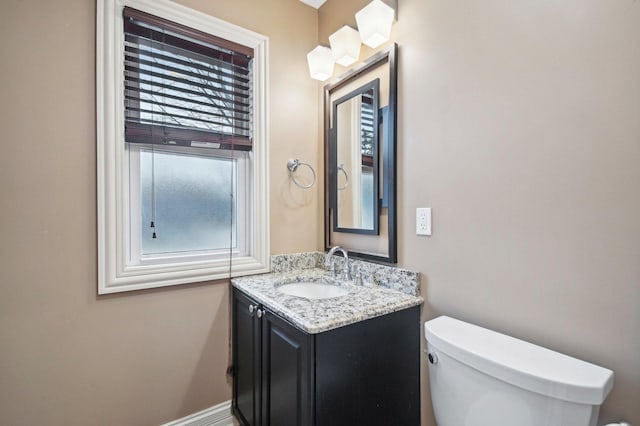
[182, 144]
[185, 204]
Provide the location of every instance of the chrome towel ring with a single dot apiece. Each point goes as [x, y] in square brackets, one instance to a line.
[293, 165]
[346, 178]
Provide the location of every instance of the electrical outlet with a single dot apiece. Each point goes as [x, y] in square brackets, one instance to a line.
[423, 221]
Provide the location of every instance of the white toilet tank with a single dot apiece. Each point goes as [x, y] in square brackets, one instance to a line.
[482, 378]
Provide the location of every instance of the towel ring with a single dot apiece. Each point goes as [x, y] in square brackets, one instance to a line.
[293, 165]
[346, 177]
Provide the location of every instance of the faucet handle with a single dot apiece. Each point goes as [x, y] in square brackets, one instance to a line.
[346, 273]
[356, 274]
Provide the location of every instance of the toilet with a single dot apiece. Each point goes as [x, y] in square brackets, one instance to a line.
[479, 377]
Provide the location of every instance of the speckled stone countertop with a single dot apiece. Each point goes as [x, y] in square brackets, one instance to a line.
[316, 316]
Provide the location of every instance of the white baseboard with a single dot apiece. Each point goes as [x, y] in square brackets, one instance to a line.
[218, 415]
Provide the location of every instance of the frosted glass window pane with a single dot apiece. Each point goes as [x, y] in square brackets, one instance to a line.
[367, 198]
[193, 202]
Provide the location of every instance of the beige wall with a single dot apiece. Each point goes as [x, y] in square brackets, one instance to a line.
[68, 357]
[519, 124]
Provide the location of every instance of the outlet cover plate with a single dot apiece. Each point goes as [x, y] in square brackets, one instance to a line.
[423, 221]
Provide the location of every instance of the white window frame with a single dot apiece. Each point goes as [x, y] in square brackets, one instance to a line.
[117, 270]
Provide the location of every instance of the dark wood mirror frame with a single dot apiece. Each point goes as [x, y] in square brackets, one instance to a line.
[387, 148]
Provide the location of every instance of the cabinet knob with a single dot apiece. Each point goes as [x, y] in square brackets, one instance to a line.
[251, 308]
[260, 313]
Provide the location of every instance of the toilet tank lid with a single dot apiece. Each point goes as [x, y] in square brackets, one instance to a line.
[520, 363]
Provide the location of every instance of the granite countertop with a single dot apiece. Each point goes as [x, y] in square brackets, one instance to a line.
[316, 316]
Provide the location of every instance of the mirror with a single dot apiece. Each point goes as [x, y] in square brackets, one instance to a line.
[360, 159]
[353, 171]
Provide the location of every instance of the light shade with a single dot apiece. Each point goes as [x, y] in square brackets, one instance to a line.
[374, 23]
[345, 45]
[321, 63]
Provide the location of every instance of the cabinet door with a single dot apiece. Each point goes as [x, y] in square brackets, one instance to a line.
[287, 374]
[246, 360]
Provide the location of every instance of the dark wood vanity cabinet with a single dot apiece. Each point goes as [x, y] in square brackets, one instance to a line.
[273, 367]
[366, 373]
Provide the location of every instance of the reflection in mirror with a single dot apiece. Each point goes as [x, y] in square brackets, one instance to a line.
[360, 159]
[354, 167]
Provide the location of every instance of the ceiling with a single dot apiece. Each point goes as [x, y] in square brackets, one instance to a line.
[314, 3]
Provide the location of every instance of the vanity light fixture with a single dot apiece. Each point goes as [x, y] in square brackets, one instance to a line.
[345, 45]
[374, 23]
[321, 63]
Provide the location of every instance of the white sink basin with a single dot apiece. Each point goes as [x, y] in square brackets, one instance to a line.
[312, 290]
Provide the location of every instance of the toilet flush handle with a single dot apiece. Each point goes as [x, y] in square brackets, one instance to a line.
[433, 358]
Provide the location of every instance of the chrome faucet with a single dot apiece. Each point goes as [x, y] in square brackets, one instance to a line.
[329, 263]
